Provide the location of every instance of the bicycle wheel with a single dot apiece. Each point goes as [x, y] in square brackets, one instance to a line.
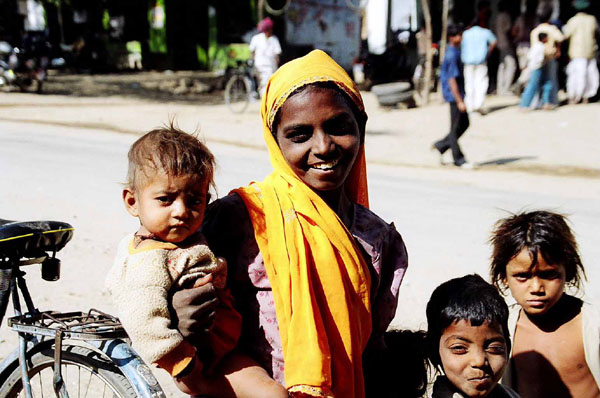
[85, 372]
[237, 93]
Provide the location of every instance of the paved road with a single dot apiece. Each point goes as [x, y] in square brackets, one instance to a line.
[444, 215]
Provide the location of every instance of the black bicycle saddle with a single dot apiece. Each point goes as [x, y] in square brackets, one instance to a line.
[32, 239]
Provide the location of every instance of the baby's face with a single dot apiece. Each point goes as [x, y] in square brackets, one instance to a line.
[170, 207]
[473, 357]
[536, 288]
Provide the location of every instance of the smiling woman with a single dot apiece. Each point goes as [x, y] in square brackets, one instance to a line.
[315, 274]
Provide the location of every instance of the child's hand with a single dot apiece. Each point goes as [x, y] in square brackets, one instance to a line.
[195, 309]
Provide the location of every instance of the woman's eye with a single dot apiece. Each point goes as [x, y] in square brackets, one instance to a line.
[458, 349]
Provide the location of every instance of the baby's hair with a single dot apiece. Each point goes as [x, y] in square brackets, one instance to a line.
[169, 150]
[542, 232]
[468, 298]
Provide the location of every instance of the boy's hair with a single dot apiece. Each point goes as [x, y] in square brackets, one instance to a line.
[171, 151]
[469, 298]
[542, 36]
[454, 30]
[540, 232]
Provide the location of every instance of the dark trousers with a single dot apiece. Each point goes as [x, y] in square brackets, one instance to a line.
[459, 123]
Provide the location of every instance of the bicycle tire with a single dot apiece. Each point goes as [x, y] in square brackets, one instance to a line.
[276, 12]
[102, 372]
[237, 93]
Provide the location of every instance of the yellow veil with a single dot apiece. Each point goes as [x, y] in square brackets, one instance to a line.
[321, 283]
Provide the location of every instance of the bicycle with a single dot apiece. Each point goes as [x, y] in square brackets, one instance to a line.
[61, 354]
[242, 87]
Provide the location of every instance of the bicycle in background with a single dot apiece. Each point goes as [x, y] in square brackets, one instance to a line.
[241, 87]
[61, 354]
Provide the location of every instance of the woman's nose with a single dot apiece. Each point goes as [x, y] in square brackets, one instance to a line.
[323, 144]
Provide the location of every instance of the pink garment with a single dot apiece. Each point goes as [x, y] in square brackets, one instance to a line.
[230, 235]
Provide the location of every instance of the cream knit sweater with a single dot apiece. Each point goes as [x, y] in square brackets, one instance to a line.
[140, 281]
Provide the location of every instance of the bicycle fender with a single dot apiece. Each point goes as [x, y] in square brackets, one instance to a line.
[132, 366]
[12, 360]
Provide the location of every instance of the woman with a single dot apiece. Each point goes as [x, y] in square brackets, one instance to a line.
[314, 273]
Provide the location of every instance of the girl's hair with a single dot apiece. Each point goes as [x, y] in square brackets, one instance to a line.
[469, 298]
[361, 117]
[539, 232]
[171, 151]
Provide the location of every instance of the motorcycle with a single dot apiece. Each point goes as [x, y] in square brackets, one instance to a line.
[22, 69]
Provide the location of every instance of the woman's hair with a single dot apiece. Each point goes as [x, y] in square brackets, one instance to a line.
[170, 151]
[538, 232]
[361, 117]
[469, 298]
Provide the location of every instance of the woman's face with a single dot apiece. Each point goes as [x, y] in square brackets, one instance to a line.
[319, 137]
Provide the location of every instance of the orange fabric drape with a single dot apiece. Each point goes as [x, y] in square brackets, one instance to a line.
[321, 283]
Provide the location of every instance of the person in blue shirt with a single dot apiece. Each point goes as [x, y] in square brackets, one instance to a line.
[453, 92]
[477, 44]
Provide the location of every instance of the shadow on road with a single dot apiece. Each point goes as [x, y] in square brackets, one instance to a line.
[503, 161]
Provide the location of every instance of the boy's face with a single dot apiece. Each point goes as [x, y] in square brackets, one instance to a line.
[473, 357]
[456, 39]
[169, 207]
[537, 288]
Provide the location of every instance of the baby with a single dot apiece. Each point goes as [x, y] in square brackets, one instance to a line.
[556, 347]
[168, 179]
[468, 339]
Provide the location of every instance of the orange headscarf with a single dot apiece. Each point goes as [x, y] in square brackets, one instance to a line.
[321, 283]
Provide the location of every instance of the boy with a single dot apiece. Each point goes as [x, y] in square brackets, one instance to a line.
[556, 336]
[535, 72]
[468, 339]
[454, 92]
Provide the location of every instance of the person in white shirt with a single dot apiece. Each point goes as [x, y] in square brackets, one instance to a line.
[265, 50]
[582, 71]
[538, 77]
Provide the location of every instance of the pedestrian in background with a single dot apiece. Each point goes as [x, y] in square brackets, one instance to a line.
[582, 71]
[477, 44]
[538, 78]
[453, 91]
[552, 49]
[508, 62]
[265, 50]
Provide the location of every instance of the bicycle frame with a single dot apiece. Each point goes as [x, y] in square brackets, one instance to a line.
[97, 330]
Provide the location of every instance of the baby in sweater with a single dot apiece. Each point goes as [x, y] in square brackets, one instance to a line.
[168, 179]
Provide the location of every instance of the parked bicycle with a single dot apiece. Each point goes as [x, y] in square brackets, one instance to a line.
[241, 87]
[61, 354]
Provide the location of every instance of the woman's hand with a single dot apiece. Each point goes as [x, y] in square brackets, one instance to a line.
[195, 310]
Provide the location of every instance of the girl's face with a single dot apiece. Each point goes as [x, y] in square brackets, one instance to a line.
[537, 288]
[169, 207]
[473, 357]
[319, 137]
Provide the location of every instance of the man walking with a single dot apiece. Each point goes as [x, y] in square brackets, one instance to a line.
[265, 50]
[453, 92]
[477, 44]
[582, 71]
